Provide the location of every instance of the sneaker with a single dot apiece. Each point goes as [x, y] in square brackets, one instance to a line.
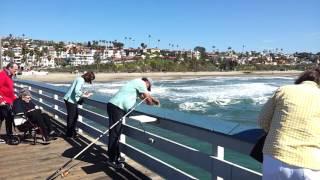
[115, 164]
[121, 159]
[45, 140]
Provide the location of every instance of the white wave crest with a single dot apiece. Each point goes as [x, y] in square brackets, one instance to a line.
[221, 91]
[194, 106]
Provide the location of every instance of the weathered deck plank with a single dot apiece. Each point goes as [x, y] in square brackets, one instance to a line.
[26, 161]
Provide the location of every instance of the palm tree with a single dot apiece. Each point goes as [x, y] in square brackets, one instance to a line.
[149, 37]
[97, 59]
[143, 45]
[213, 47]
[125, 41]
[158, 43]
[129, 41]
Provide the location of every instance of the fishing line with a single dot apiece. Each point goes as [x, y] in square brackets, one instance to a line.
[66, 172]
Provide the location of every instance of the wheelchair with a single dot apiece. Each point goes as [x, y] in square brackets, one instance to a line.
[25, 125]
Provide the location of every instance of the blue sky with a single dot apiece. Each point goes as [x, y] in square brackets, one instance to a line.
[293, 25]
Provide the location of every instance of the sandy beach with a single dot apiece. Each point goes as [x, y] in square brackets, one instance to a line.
[105, 77]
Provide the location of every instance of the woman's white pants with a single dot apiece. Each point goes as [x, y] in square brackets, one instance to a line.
[273, 169]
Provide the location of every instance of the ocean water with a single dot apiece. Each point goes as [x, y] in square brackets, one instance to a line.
[235, 99]
[231, 99]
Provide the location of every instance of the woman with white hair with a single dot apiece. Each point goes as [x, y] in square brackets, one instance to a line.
[25, 105]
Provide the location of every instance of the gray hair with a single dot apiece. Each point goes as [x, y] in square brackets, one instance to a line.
[10, 65]
[24, 92]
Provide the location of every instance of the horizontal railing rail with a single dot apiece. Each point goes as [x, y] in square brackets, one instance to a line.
[204, 129]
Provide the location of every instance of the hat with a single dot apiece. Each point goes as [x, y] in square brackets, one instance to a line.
[24, 92]
[150, 82]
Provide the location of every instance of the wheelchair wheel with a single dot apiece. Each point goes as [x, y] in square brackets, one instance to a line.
[15, 140]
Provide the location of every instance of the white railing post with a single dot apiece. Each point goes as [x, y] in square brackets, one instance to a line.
[55, 97]
[40, 99]
[80, 119]
[122, 136]
[217, 151]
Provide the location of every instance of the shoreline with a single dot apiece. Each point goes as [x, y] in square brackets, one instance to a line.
[108, 77]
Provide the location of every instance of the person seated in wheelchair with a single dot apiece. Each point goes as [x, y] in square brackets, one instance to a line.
[24, 105]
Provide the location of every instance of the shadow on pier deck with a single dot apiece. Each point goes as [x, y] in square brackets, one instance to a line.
[26, 161]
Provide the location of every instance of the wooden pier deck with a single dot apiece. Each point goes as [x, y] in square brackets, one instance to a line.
[26, 161]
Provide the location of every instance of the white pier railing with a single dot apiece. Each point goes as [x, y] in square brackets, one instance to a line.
[93, 115]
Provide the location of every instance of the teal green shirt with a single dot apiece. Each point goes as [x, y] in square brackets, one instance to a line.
[74, 93]
[126, 97]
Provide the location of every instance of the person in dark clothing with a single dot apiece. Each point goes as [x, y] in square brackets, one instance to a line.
[7, 97]
[24, 105]
[118, 106]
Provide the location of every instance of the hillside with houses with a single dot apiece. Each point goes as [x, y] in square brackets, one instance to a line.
[43, 54]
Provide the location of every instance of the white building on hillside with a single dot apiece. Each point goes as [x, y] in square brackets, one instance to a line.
[17, 51]
[85, 58]
[17, 55]
[46, 62]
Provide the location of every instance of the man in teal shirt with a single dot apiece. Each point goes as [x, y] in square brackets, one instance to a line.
[117, 107]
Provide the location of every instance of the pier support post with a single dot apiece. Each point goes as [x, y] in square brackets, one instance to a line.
[80, 119]
[40, 99]
[122, 136]
[217, 151]
[55, 97]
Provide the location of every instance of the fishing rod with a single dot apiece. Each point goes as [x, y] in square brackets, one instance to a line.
[66, 172]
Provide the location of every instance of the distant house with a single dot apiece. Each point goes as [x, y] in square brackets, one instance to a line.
[17, 55]
[84, 58]
[47, 62]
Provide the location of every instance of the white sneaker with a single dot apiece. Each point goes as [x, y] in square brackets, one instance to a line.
[115, 164]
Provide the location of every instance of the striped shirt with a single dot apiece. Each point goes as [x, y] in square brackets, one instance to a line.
[292, 119]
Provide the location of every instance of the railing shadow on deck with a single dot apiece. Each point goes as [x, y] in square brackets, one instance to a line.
[95, 155]
[202, 128]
